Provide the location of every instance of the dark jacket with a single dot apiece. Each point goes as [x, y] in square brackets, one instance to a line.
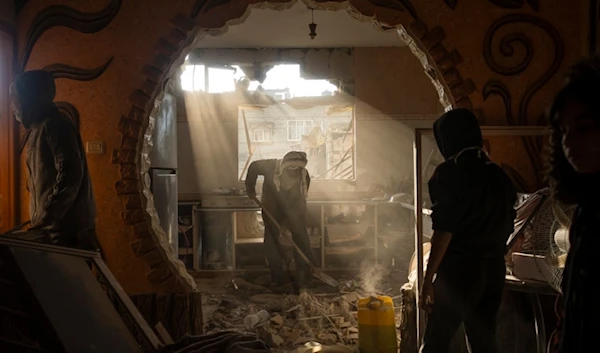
[271, 198]
[61, 196]
[472, 197]
[580, 282]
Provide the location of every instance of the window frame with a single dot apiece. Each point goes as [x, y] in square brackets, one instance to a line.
[312, 125]
[267, 135]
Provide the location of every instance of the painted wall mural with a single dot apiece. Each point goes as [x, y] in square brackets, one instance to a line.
[497, 87]
[65, 16]
[53, 16]
[113, 57]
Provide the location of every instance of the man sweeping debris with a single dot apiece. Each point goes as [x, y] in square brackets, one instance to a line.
[285, 187]
[472, 214]
[61, 200]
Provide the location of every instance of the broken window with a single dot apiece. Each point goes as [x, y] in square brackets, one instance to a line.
[326, 136]
[298, 128]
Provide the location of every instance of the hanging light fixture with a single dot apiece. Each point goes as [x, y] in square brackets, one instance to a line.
[312, 25]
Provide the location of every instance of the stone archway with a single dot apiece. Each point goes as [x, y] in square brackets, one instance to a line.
[213, 17]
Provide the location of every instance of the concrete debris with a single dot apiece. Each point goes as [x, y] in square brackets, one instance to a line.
[263, 280]
[243, 284]
[302, 340]
[277, 319]
[293, 308]
[265, 298]
[276, 340]
[253, 320]
[351, 298]
[291, 321]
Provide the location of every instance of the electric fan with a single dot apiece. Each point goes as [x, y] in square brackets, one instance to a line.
[550, 239]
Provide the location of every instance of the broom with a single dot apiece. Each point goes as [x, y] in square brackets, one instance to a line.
[315, 272]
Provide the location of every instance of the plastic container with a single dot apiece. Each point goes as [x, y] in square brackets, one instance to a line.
[254, 319]
[377, 325]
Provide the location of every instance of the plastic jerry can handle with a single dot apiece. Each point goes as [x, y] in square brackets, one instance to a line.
[374, 303]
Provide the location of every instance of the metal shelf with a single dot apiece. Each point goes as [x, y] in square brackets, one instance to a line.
[325, 250]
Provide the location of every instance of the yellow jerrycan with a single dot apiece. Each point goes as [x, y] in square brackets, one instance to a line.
[377, 325]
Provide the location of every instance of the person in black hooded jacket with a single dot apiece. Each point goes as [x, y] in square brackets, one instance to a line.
[61, 200]
[473, 215]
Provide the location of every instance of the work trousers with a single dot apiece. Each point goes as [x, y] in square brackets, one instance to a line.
[469, 292]
[294, 219]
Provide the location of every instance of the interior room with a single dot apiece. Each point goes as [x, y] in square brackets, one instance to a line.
[174, 106]
[353, 121]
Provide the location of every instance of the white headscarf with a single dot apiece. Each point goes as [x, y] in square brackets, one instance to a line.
[283, 181]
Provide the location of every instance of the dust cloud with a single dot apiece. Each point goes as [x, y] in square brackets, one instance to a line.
[370, 277]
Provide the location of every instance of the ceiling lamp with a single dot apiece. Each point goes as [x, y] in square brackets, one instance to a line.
[312, 25]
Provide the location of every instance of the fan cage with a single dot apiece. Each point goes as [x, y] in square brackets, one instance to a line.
[547, 221]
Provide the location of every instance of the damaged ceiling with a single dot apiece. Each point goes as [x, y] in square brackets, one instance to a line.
[266, 28]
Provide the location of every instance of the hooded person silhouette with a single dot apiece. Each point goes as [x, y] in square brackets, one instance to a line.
[61, 199]
[472, 215]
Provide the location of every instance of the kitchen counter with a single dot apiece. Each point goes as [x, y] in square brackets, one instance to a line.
[230, 202]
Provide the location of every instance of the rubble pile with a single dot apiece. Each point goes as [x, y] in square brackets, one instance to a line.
[288, 322]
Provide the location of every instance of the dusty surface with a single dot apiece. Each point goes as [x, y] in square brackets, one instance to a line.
[324, 314]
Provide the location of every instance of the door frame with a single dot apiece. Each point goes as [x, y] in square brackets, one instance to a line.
[9, 161]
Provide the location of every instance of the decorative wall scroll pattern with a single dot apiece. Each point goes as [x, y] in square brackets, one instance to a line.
[505, 4]
[72, 73]
[59, 15]
[75, 73]
[507, 49]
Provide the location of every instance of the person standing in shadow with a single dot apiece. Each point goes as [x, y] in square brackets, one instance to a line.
[61, 200]
[473, 215]
[574, 175]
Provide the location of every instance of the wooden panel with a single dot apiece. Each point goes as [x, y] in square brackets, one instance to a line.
[7, 141]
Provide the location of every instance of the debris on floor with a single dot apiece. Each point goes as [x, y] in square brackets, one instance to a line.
[289, 322]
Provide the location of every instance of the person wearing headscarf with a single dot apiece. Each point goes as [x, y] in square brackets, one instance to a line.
[473, 216]
[285, 187]
[61, 200]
